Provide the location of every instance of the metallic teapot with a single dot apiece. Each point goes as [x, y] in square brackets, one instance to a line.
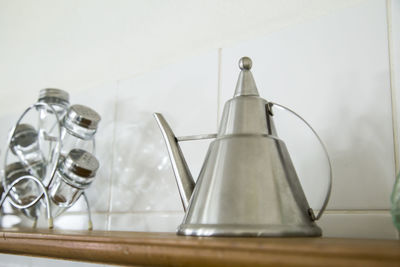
[248, 185]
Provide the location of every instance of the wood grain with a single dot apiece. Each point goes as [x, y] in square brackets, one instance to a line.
[168, 249]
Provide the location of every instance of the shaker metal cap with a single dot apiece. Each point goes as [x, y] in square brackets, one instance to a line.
[54, 96]
[81, 163]
[24, 135]
[82, 116]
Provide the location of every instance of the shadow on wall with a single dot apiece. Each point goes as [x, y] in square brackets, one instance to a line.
[359, 148]
[142, 175]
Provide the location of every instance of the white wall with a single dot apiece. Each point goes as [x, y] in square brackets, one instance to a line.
[327, 60]
[78, 44]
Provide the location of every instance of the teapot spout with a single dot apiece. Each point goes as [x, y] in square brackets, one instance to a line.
[183, 177]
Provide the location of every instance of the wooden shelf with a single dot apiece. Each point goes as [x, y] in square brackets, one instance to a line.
[167, 249]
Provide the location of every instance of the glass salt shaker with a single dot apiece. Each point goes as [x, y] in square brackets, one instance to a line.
[25, 145]
[25, 191]
[49, 124]
[78, 129]
[58, 99]
[74, 174]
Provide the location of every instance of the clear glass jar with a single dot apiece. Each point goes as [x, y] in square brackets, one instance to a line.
[25, 191]
[25, 145]
[58, 99]
[74, 174]
[78, 129]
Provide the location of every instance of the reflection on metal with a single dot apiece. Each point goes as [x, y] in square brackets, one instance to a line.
[248, 185]
[326, 200]
[196, 137]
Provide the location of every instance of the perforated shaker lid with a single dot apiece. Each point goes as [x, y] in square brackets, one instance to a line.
[82, 116]
[81, 163]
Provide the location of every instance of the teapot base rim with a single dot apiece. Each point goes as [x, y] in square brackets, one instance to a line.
[249, 230]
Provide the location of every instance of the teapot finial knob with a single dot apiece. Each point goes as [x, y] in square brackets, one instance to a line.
[245, 63]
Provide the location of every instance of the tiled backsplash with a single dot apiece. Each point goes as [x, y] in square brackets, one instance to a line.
[337, 77]
[334, 71]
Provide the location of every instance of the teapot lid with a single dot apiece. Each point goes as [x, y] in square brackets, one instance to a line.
[246, 84]
[246, 112]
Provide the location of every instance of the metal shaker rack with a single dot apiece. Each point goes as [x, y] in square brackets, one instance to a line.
[34, 155]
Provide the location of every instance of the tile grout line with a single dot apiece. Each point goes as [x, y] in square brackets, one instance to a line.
[178, 212]
[392, 89]
[359, 212]
[167, 212]
[110, 195]
[219, 85]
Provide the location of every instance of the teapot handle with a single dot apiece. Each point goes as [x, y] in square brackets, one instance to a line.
[325, 203]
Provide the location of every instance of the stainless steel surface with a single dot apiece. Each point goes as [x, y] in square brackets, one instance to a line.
[27, 189]
[248, 185]
[54, 96]
[326, 200]
[27, 206]
[183, 177]
[245, 84]
[75, 173]
[81, 163]
[196, 137]
[25, 145]
[261, 190]
[82, 116]
[245, 63]
[51, 161]
[89, 213]
[32, 206]
[250, 230]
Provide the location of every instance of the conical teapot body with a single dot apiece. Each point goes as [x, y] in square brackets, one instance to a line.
[248, 185]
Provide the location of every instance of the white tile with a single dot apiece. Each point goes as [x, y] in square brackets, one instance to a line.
[17, 220]
[80, 221]
[46, 262]
[394, 15]
[73, 221]
[186, 94]
[373, 226]
[9, 260]
[395, 58]
[11, 217]
[334, 72]
[146, 222]
[69, 220]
